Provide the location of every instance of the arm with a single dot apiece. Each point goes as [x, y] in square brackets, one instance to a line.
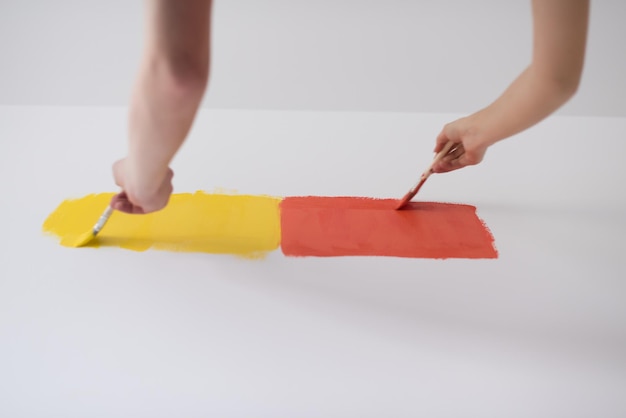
[171, 82]
[552, 78]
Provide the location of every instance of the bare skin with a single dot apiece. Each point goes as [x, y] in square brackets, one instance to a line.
[171, 83]
[552, 78]
[174, 73]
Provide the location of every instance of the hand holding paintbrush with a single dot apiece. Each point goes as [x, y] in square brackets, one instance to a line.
[407, 197]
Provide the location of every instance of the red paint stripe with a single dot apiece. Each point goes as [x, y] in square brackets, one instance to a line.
[346, 226]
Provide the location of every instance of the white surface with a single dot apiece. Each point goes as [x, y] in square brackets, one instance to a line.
[113, 333]
[355, 55]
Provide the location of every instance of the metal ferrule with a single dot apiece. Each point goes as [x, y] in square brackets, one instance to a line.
[103, 219]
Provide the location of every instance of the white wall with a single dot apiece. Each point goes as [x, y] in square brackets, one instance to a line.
[393, 55]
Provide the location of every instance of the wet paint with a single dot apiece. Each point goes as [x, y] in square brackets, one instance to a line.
[354, 226]
[252, 226]
[192, 222]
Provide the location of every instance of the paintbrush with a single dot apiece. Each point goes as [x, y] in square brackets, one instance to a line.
[411, 193]
[91, 234]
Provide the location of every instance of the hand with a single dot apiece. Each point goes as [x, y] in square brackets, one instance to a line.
[468, 149]
[138, 201]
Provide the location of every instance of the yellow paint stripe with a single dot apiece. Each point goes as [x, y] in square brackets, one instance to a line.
[245, 225]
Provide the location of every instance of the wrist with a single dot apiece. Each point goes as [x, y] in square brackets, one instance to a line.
[480, 127]
[143, 181]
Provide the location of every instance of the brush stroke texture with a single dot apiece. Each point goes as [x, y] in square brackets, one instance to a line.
[252, 226]
[192, 222]
[355, 226]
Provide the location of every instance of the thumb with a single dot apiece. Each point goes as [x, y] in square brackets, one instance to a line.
[442, 139]
[118, 173]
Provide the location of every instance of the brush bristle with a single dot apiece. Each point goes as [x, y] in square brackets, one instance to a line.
[81, 240]
[403, 202]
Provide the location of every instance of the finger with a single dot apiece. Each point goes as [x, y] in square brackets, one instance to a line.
[464, 160]
[116, 199]
[165, 193]
[451, 161]
[121, 203]
[137, 210]
[118, 174]
[122, 206]
[440, 142]
[446, 163]
[445, 166]
[468, 159]
[454, 153]
[443, 138]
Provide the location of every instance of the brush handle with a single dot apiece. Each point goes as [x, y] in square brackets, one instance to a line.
[407, 197]
[103, 220]
[446, 149]
[438, 157]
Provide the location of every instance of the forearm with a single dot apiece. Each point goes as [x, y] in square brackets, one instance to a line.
[169, 88]
[161, 114]
[559, 41]
[528, 100]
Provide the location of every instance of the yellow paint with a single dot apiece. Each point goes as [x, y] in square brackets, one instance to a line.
[78, 240]
[192, 222]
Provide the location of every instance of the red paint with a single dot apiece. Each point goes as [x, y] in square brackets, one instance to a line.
[344, 226]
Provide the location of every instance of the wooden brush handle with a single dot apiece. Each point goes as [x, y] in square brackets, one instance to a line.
[446, 149]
